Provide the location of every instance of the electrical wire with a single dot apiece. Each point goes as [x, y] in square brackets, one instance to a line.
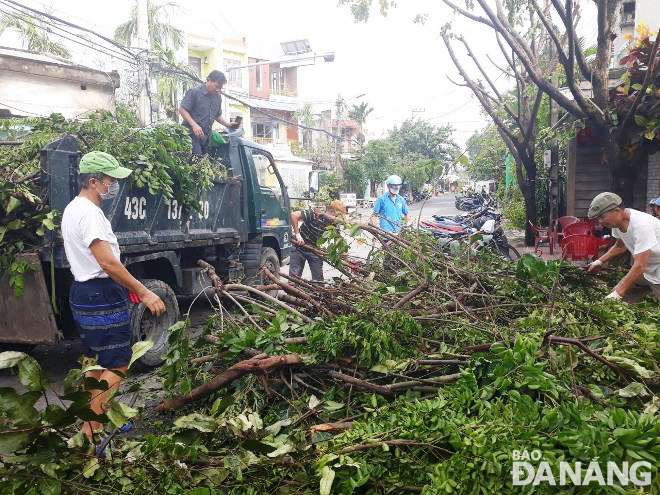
[178, 71]
[85, 42]
[19, 110]
[70, 24]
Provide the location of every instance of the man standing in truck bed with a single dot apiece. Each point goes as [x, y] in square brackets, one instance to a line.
[200, 107]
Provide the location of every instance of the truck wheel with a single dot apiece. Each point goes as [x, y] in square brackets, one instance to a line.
[270, 260]
[145, 325]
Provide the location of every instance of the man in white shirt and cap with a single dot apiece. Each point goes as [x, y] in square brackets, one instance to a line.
[98, 297]
[636, 232]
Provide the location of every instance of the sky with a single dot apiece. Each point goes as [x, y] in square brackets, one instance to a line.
[401, 67]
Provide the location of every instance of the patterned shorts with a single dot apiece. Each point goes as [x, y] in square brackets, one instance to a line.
[101, 312]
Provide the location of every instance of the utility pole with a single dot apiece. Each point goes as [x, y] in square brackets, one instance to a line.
[337, 130]
[553, 171]
[144, 106]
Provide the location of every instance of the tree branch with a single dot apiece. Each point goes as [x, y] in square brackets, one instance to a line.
[501, 101]
[570, 27]
[532, 119]
[468, 14]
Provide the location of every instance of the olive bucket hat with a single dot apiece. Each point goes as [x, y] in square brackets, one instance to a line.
[101, 162]
[603, 203]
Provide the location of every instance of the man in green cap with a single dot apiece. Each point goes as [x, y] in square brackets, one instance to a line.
[634, 231]
[98, 297]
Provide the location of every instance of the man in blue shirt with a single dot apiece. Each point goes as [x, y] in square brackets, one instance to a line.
[391, 208]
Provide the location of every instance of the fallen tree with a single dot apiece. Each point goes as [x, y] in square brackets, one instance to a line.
[369, 384]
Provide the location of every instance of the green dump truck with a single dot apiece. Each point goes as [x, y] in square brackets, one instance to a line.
[241, 224]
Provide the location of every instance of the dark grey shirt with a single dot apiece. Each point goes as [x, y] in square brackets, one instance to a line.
[204, 107]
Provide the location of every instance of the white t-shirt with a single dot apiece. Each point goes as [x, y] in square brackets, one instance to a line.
[82, 222]
[643, 234]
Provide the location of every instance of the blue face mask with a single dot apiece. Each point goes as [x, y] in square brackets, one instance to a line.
[113, 190]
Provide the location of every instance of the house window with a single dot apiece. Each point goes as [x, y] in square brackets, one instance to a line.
[233, 76]
[628, 14]
[265, 130]
[196, 64]
[274, 81]
[258, 78]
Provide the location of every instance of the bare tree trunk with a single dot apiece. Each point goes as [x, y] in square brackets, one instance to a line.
[530, 211]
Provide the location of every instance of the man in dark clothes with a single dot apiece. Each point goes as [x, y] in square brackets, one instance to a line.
[309, 233]
[200, 107]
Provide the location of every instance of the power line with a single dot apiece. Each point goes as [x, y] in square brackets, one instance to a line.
[87, 22]
[19, 110]
[70, 24]
[176, 70]
[86, 43]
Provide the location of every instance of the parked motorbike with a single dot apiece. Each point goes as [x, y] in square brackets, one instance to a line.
[478, 232]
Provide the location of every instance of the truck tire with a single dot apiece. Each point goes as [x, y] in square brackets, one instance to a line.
[145, 325]
[270, 260]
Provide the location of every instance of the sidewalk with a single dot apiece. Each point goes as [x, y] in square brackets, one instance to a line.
[517, 239]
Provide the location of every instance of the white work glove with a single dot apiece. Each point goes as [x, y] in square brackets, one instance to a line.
[613, 295]
[594, 266]
[298, 238]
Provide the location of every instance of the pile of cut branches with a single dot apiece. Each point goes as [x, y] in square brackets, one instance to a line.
[424, 377]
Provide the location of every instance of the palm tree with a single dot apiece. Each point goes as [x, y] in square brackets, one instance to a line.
[360, 112]
[34, 33]
[305, 115]
[162, 35]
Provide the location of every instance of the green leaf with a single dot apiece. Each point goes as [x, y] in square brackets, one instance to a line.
[90, 468]
[221, 405]
[197, 421]
[15, 225]
[18, 408]
[632, 365]
[641, 121]
[632, 390]
[636, 87]
[13, 441]
[91, 383]
[12, 205]
[327, 477]
[50, 469]
[31, 375]
[313, 402]
[140, 349]
[50, 487]
[463, 160]
[55, 416]
[256, 446]
[332, 405]
[9, 359]
[120, 413]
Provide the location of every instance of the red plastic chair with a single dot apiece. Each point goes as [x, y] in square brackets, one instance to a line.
[541, 234]
[598, 228]
[582, 247]
[560, 224]
[579, 228]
